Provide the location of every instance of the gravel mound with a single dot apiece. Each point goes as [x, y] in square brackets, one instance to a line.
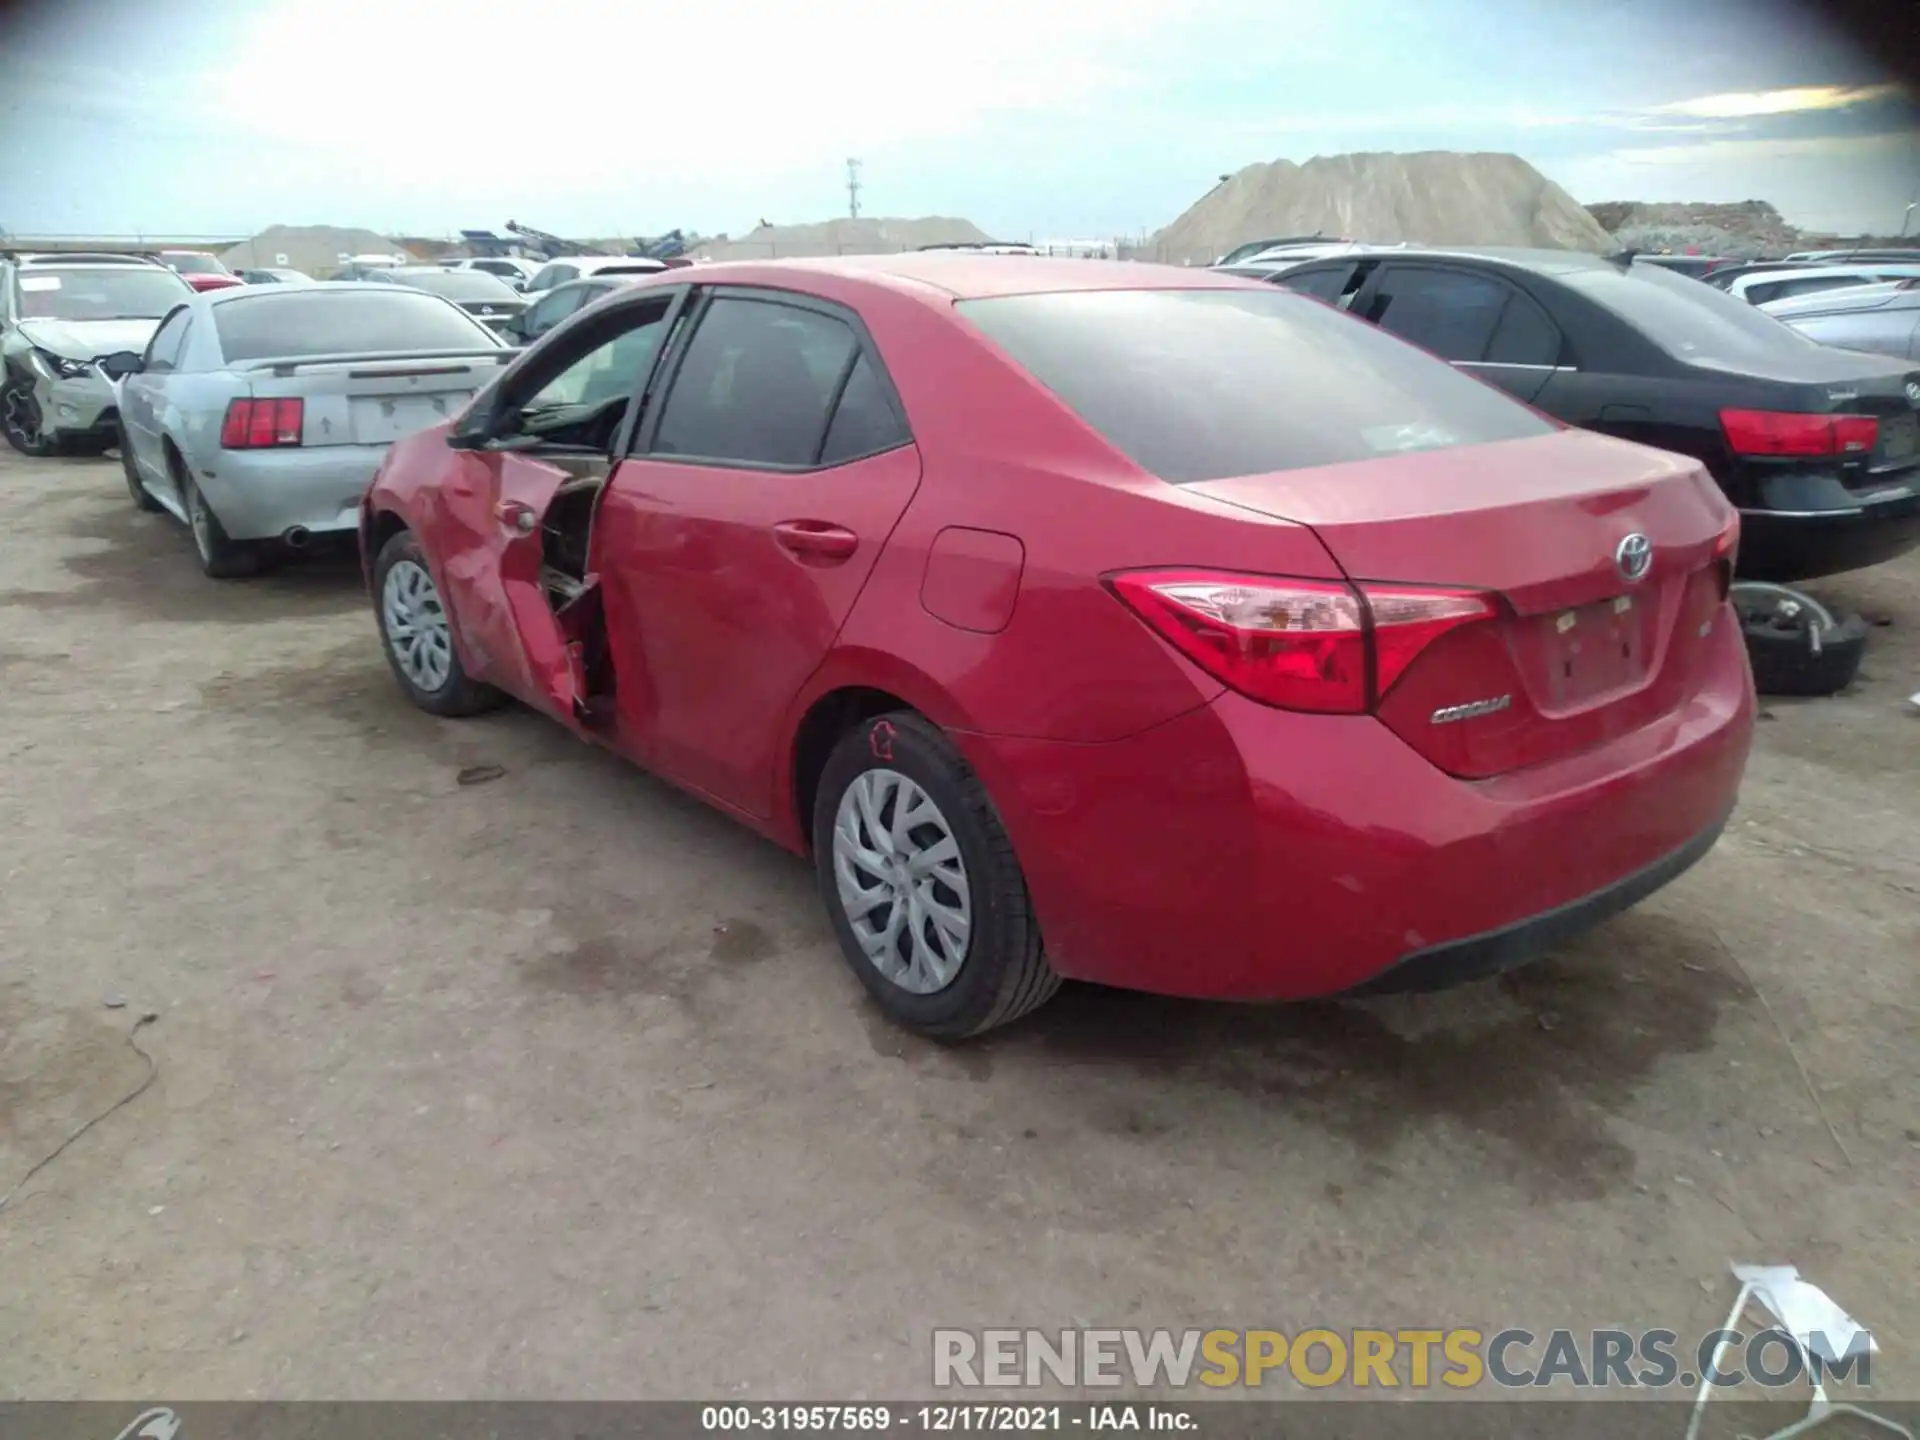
[315, 249]
[842, 237]
[1437, 197]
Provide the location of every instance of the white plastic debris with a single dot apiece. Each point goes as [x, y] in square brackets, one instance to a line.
[1805, 1311]
[1819, 1327]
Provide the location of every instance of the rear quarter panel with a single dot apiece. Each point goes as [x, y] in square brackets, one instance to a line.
[1001, 454]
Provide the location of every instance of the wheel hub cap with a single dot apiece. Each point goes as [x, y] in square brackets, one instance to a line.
[415, 623]
[902, 881]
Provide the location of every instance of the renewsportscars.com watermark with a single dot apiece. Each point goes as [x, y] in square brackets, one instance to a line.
[1457, 1359]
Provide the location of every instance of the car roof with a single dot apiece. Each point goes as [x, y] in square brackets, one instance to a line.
[1877, 267]
[965, 275]
[1853, 300]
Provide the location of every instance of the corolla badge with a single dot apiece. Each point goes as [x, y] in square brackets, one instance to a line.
[1913, 393]
[1634, 557]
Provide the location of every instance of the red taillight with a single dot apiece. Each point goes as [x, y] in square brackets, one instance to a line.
[1788, 433]
[262, 424]
[1316, 645]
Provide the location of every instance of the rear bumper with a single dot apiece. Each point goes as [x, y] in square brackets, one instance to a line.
[1478, 956]
[1788, 545]
[1240, 852]
[261, 495]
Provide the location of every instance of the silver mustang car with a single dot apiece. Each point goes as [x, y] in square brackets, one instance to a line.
[58, 314]
[258, 413]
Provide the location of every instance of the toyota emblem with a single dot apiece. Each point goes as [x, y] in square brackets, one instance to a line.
[1913, 393]
[1634, 557]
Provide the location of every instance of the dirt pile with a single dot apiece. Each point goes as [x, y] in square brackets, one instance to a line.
[315, 249]
[1744, 230]
[842, 237]
[1439, 197]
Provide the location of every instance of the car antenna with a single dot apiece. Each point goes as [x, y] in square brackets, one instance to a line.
[1624, 257]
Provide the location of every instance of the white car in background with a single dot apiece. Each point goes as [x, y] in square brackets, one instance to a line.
[576, 267]
[1761, 287]
[514, 270]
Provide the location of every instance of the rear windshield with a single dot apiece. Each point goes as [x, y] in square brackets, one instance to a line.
[1696, 323]
[294, 324]
[458, 284]
[1197, 385]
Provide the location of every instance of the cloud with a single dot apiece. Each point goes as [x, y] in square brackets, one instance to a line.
[1798, 99]
[1840, 147]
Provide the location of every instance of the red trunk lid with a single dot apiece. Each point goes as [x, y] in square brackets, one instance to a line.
[1581, 650]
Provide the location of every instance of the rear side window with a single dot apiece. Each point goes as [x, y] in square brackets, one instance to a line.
[1449, 312]
[1524, 336]
[298, 323]
[1321, 284]
[756, 384]
[1690, 321]
[1197, 385]
[864, 422]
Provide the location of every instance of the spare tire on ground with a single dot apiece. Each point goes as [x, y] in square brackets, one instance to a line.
[1796, 645]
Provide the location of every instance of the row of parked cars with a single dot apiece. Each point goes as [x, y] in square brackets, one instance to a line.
[1162, 627]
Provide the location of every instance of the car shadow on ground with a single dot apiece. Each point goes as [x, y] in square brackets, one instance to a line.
[142, 566]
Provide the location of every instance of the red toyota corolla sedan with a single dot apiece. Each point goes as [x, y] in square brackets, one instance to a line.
[1085, 619]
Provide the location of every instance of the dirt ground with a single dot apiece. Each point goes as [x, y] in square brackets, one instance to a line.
[555, 1085]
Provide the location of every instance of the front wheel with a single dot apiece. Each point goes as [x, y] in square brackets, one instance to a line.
[922, 885]
[20, 417]
[417, 634]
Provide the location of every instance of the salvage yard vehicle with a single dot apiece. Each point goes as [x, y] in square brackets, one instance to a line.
[1761, 286]
[257, 415]
[1883, 319]
[275, 276]
[1819, 448]
[58, 313]
[487, 298]
[574, 267]
[199, 269]
[1004, 589]
[512, 269]
[555, 305]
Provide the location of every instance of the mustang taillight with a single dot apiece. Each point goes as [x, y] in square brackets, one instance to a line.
[262, 424]
[1788, 433]
[1317, 645]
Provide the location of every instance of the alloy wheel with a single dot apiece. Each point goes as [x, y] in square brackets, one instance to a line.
[902, 881]
[415, 622]
[23, 416]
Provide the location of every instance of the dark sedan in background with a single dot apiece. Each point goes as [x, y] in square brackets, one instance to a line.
[1818, 447]
[487, 298]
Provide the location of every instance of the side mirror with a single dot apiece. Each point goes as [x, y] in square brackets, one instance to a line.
[121, 364]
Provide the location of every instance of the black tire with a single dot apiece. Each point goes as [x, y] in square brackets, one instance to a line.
[1003, 973]
[136, 487]
[459, 694]
[1781, 649]
[220, 557]
[16, 402]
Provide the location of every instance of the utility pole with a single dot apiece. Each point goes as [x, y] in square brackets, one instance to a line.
[853, 189]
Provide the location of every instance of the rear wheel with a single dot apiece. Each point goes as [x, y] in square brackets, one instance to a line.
[221, 558]
[136, 486]
[417, 634]
[921, 882]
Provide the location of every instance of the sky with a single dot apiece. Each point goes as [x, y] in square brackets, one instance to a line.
[1036, 119]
